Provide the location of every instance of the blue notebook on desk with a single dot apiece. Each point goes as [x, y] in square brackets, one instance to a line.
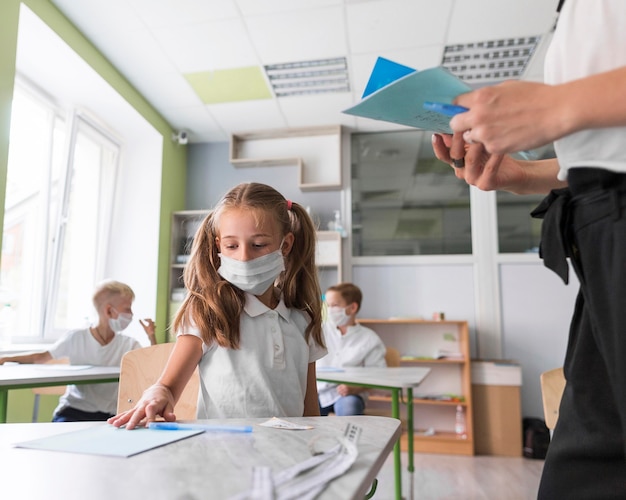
[107, 440]
[397, 93]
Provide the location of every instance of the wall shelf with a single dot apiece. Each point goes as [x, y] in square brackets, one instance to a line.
[315, 151]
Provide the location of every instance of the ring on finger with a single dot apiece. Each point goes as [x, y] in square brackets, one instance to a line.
[458, 162]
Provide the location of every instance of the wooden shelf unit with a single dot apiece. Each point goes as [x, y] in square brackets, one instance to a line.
[315, 151]
[448, 378]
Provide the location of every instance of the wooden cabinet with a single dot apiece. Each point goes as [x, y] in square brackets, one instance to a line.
[443, 346]
[315, 151]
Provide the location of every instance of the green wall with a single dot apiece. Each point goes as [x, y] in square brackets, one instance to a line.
[173, 168]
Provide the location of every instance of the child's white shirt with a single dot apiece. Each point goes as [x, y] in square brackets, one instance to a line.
[82, 348]
[360, 346]
[267, 375]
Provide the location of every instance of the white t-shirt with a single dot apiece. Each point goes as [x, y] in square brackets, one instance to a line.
[360, 346]
[83, 349]
[590, 38]
[267, 375]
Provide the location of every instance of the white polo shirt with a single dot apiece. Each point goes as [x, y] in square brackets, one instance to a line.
[360, 346]
[590, 38]
[267, 375]
[82, 348]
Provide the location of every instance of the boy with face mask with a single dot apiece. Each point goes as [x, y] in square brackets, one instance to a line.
[102, 344]
[348, 344]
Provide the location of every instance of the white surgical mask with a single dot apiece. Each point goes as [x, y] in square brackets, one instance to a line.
[121, 322]
[253, 276]
[337, 316]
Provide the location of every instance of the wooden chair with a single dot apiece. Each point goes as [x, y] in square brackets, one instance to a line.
[392, 357]
[141, 368]
[57, 390]
[552, 385]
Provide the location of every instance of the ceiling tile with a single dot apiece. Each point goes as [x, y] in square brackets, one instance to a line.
[228, 85]
[207, 46]
[298, 36]
[319, 109]
[255, 7]
[480, 20]
[197, 121]
[394, 24]
[235, 117]
[159, 13]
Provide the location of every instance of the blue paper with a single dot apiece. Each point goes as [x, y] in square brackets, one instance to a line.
[385, 72]
[402, 100]
[107, 440]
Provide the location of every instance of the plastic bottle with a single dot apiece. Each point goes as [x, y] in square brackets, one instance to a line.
[338, 226]
[459, 427]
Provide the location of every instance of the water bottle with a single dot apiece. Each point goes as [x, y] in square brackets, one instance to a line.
[459, 426]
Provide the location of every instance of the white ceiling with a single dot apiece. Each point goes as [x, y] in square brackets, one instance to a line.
[154, 42]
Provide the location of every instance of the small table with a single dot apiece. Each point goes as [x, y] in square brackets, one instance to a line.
[207, 465]
[28, 376]
[393, 379]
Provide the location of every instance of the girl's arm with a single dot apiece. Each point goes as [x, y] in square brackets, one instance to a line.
[311, 403]
[160, 398]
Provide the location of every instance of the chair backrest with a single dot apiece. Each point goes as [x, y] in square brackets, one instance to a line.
[392, 357]
[552, 385]
[141, 368]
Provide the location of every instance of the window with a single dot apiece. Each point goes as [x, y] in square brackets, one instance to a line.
[404, 200]
[60, 188]
[518, 232]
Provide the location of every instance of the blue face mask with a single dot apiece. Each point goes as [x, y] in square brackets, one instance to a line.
[253, 276]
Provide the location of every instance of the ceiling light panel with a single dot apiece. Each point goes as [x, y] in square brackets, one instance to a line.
[309, 77]
[490, 61]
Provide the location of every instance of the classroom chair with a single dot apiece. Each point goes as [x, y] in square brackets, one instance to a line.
[392, 357]
[57, 390]
[141, 368]
[552, 385]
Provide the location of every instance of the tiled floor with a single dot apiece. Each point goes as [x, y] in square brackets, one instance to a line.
[460, 477]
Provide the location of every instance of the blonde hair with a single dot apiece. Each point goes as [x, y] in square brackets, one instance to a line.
[213, 304]
[108, 289]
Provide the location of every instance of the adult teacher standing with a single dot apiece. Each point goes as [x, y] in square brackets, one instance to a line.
[582, 108]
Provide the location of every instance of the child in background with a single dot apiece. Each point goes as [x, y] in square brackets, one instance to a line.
[251, 320]
[348, 344]
[99, 345]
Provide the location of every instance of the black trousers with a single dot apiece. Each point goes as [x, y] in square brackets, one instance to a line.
[587, 456]
[69, 414]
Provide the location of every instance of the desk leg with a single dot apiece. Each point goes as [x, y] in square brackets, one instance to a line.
[397, 463]
[4, 404]
[409, 435]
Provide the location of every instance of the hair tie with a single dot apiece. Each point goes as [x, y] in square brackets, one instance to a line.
[288, 204]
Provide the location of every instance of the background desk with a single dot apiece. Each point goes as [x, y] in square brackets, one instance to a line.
[393, 379]
[206, 466]
[28, 376]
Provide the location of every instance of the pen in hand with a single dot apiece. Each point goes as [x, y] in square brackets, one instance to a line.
[444, 109]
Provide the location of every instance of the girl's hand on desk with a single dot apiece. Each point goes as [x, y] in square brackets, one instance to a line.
[156, 401]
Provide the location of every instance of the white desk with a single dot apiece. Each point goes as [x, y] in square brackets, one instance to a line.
[27, 376]
[206, 466]
[393, 379]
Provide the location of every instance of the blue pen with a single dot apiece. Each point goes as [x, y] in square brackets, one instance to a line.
[444, 109]
[174, 426]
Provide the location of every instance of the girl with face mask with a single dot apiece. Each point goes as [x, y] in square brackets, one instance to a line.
[251, 320]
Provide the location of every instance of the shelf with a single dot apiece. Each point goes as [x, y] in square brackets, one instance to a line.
[421, 339]
[315, 151]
